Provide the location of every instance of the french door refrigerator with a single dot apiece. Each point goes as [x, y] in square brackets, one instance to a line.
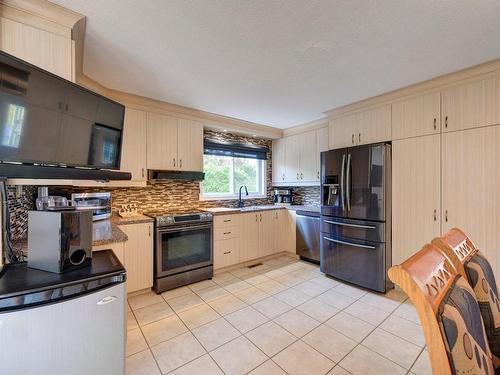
[356, 215]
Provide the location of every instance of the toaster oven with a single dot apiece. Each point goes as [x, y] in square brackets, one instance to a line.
[98, 203]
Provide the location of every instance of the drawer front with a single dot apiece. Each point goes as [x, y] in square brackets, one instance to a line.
[225, 233]
[223, 221]
[226, 253]
[350, 228]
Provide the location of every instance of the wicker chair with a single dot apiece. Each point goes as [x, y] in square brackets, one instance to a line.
[448, 311]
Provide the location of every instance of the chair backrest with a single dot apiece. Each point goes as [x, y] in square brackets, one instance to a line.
[471, 264]
[449, 313]
[458, 247]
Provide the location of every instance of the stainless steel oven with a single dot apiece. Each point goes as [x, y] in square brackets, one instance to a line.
[183, 250]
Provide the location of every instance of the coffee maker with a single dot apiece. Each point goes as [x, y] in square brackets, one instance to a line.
[283, 197]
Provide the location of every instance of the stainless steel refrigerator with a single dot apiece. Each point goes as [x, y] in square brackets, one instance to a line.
[356, 215]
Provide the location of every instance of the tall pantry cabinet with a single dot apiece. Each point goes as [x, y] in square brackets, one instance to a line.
[447, 175]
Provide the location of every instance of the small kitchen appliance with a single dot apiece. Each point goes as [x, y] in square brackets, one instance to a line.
[283, 196]
[59, 241]
[98, 203]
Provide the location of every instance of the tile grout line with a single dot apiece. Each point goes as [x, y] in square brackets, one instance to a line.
[288, 287]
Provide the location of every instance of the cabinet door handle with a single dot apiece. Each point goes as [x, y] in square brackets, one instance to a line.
[180, 163]
[227, 232]
[446, 122]
[149, 231]
[298, 176]
[59, 105]
[227, 220]
[318, 175]
[256, 218]
[260, 217]
[227, 252]
[359, 137]
[435, 123]
[446, 216]
[174, 162]
[301, 176]
[66, 108]
[352, 138]
[435, 215]
[142, 172]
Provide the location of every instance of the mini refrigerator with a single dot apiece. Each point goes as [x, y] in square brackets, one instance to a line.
[71, 323]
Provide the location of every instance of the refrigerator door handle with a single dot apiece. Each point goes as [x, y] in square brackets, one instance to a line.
[342, 169]
[348, 183]
[350, 225]
[349, 243]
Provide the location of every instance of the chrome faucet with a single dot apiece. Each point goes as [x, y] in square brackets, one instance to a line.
[240, 201]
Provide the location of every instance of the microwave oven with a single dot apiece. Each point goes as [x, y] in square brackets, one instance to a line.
[98, 203]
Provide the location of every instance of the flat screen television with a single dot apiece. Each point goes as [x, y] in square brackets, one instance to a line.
[47, 120]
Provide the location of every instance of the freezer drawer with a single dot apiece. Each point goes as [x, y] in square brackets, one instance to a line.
[355, 229]
[359, 262]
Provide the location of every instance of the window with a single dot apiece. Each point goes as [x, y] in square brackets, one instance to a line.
[227, 167]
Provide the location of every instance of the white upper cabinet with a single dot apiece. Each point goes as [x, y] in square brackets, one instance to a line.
[174, 144]
[39, 47]
[133, 158]
[321, 145]
[278, 161]
[308, 156]
[161, 142]
[341, 132]
[373, 125]
[370, 126]
[292, 158]
[472, 104]
[417, 116]
[190, 145]
[296, 158]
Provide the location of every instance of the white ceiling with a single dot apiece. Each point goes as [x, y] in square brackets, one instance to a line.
[281, 63]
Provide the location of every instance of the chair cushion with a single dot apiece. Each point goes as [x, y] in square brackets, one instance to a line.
[483, 282]
[462, 327]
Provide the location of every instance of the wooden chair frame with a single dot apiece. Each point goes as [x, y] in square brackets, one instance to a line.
[426, 278]
[458, 247]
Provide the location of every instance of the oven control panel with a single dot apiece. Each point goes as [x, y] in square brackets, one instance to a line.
[185, 218]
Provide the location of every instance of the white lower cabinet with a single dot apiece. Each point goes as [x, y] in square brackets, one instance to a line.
[250, 235]
[136, 254]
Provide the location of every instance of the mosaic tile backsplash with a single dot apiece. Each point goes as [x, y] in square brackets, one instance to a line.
[164, 195]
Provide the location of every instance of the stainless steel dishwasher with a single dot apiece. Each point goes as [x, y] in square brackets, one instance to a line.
[308, 236]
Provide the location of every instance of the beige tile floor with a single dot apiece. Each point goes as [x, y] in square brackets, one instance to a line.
[281, 317]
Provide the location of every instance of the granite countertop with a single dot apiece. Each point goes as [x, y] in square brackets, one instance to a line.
[108, 231]
[233, 210]
[307, 208]
[136, 219]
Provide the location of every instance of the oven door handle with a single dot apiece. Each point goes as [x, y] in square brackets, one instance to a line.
[186, 228]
